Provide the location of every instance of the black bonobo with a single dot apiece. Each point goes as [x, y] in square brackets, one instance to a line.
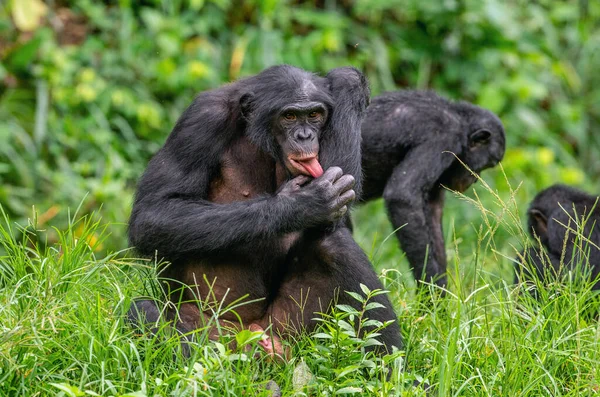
[566, 222]
[411, 142]
[238, 202]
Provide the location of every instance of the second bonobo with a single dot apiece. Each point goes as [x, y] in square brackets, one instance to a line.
[411, 141]
[247, 199]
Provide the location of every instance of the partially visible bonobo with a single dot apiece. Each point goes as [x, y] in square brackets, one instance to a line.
[555, 217]
[411, 141]
[238, 202]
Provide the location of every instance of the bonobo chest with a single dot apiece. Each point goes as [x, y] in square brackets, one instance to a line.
[245, 172]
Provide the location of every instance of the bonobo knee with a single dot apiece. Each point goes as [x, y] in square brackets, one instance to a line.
[394, 197]
[143, 312]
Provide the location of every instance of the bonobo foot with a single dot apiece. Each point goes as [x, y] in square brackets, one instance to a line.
[144, 314]
[271, 344]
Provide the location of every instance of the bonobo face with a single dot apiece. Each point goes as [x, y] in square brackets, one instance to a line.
[297, 130]
[485, 148]
[285, 110]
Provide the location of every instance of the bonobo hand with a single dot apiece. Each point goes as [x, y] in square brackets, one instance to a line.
[324, 199]
[349, 79]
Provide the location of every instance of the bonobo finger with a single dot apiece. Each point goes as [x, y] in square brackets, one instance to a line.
[332, 174]
[301, 180]
[346, 182]
[294, 185]
[340, 213]
[345, 198]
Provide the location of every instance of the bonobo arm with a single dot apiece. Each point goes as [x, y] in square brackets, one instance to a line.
[340, 142]
[175, 224]
[414, 201]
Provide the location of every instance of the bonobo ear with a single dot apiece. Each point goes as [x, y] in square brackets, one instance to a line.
[538, 221]
[479, 137]
[246, 105]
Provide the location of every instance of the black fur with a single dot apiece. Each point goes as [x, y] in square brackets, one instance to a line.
[554, 217]
[410, 139]
[172, 213]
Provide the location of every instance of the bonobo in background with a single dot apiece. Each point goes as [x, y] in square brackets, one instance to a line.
[410, 139]
[555, 216]
[238, 202]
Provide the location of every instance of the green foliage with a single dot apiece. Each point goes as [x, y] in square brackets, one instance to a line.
[63, 332]
[89, 90]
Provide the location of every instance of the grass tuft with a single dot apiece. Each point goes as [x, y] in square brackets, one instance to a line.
[62, 327]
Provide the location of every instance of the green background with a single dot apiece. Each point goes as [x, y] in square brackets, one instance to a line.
[89, 90]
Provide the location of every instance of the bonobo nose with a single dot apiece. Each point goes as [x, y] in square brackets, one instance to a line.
[304, 134]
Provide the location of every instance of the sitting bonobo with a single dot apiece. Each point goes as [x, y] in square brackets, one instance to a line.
[238, 202]
[415, 143]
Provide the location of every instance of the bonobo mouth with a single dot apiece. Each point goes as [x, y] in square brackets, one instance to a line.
[307, 165]
[465, 182]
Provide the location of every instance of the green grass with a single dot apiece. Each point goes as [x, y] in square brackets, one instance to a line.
[62, 328]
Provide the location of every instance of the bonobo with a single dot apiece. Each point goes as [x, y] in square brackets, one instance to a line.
[238, 202]
[413, 145]
[567, 223]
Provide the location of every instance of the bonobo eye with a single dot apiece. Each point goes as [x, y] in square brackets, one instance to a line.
[289, 116]
[314, 115]
[479, 137]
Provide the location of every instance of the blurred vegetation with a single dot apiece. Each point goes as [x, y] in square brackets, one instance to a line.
[90, 89]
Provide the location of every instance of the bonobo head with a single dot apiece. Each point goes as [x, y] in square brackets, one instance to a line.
[286, 110]
[484, 147]
[550, 203]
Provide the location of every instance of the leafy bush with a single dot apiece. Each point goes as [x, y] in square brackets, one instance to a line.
[89, 90]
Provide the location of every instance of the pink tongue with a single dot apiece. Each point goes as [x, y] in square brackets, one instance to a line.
[312, 166]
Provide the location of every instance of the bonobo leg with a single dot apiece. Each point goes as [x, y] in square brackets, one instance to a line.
[416, 215]
[434, 214]
[145, 314]
[321, 268]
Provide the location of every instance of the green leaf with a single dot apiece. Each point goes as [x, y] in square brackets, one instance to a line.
[372, 342]
[302, 376]
[345, 371]
[238, 357]
[374, 305]
[349, 390]
[365, 289]
[372, 323]
[356, 296]
[346, 308]
[245, 337]
[28, 14]
[22, 57]
[72, 391]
